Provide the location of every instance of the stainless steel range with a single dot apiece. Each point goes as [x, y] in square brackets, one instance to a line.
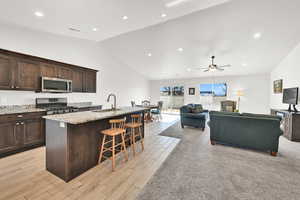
[55, 105]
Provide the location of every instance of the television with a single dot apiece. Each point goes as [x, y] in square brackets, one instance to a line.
[290, 96]
[213, 89]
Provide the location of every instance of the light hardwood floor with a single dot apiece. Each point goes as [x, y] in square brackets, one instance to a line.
[23, 176]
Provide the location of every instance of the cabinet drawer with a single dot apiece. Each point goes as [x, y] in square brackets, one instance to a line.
[21, 116]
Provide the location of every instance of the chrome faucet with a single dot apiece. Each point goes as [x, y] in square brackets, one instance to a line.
[114, 107]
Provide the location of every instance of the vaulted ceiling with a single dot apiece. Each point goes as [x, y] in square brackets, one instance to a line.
[104, 16]
[251, 35]
[165, 39]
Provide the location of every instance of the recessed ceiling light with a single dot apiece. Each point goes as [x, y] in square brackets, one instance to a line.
[125, 17]
[180, 49]
[39, 14]
[244, 64]
[163, 15]
[149, 54]
[188, 69]
[257, 36]
[95, 29]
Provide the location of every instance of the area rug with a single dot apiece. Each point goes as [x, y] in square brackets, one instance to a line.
[197, 170]
[177, 132]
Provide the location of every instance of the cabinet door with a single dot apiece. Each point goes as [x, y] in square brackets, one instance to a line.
[90, 81]
[64, 73]
[48, 70]
[28, 75]
[34, 131]
[77, 81]
[8, 138]
[6, 71]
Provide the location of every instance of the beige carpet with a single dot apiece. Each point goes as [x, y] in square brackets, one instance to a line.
[197, 170]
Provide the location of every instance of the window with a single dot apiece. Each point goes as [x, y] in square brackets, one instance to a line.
[165, 91]
[178, 91]
[213, 89]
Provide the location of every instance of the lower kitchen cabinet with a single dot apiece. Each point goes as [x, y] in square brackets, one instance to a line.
[20, 132]
[34, 131]
[8, 137]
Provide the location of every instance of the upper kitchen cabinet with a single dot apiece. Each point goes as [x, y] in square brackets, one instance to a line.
[90, 81]
[77, 80]
[24, 72]
[48, 70]
[6, 65]
[27, 74]
[64, 72]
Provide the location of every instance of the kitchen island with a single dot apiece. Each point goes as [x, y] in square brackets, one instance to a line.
[73, 139]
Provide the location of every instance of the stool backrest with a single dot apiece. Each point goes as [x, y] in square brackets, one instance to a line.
[117, 123]
[136, 118]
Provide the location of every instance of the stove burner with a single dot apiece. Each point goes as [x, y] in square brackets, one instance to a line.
[55, 105]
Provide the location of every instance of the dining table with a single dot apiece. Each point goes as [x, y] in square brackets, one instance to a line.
[148, 116]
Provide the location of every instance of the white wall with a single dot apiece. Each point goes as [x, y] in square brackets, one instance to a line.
[255, 87]
[289, 71]
[113, 76]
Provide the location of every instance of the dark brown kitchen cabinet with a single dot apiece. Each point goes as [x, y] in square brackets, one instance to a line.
[77, 80]
[27, 75]
[48, 70]
[24, 72]
[33, 131]
[8, 140]
[90, 82]
[19, 132]
[64, 73]
[6, 70]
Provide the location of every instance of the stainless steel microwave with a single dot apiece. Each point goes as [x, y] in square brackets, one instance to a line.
[56, 85]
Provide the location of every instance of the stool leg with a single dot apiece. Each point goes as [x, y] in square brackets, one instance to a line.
[113, 154]
[133, 140]
[141, 138]
[124, 147]
[101, 150]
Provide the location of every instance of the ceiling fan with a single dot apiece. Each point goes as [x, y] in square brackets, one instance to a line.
[213, 67]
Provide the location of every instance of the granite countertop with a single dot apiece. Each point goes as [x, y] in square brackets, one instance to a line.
[88, 116]
[18, 109]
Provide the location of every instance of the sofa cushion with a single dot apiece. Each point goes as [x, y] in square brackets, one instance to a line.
[261, 116]
[194, 115]
[197, 108]
[224, 113]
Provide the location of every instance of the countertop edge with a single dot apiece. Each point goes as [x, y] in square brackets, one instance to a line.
[106, 117]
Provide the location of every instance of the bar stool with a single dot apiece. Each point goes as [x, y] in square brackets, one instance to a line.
[117, 129]
[135, 127]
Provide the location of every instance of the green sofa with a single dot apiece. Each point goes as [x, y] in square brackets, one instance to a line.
[193, 115]
[252, 131]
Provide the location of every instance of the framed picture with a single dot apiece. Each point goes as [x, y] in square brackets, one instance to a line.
[277, 86]
[191, 91]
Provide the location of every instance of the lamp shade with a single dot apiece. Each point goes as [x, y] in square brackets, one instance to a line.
[239, 93]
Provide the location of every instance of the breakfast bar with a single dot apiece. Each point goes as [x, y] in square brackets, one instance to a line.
[73, 139]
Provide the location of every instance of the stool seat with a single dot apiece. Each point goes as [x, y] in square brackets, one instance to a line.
[133, 125]
[114, 131]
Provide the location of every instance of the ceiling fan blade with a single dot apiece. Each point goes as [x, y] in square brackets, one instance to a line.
[224, 66]
[219, 68]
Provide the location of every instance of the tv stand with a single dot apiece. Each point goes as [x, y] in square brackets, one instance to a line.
[290, 122]
[294, 107]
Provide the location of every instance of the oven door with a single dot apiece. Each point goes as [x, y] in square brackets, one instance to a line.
[56, 85]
